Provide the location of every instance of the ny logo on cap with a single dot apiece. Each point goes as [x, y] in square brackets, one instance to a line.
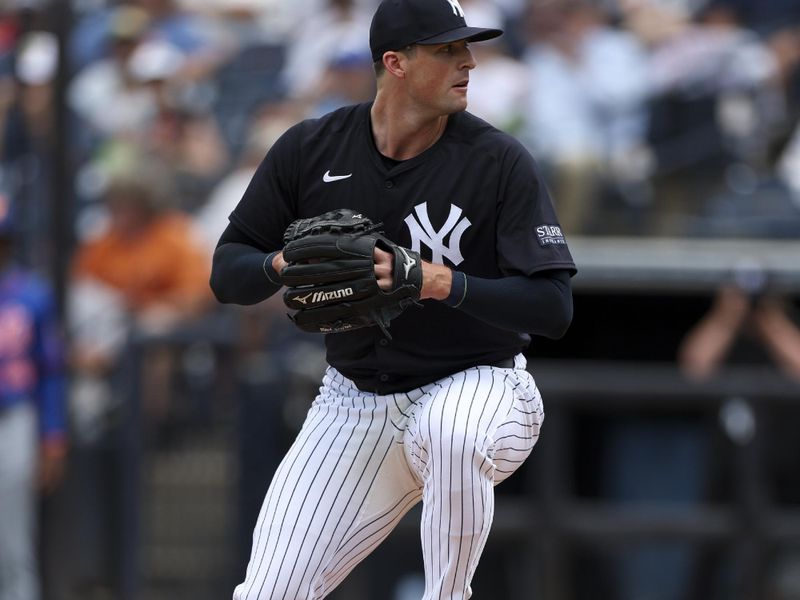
[457, 10]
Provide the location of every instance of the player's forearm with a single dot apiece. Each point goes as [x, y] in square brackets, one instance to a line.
[541, 305]
[239, 274]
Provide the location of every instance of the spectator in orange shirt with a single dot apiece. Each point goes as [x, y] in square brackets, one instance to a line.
[148, 271]
[150, 255]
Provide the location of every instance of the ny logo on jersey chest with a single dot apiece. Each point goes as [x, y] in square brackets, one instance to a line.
[423, 232]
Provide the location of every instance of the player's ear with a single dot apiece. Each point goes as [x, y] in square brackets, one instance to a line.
[395, 63]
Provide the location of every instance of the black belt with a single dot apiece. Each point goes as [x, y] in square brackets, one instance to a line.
[506, 363]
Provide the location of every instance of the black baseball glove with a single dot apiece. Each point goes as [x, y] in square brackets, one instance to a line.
[330, 274]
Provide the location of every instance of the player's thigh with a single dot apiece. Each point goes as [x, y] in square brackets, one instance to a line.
[486, 418]
[338, 491]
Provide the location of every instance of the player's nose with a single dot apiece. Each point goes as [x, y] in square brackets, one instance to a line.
[469, 60]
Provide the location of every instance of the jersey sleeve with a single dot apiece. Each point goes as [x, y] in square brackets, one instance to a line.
[268, 204]
[529, 236]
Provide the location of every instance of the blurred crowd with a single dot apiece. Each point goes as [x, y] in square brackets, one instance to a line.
[648, 117]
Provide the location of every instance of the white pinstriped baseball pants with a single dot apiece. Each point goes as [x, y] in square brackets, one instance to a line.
[362, 460]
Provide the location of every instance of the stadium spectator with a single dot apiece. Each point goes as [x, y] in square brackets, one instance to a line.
[586, 117]
[136, 261]
[347, 78]
[338, 25]
[182, 133]
[193, 34]
[777, 22]
[714, 105]
[158, 117]
[752, 323]
[108, 82]
[27, 115]
[142, 275]
[745, 315]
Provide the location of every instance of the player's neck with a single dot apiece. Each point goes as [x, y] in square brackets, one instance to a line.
[401, 134]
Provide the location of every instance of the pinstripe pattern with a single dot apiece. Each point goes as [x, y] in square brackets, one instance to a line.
[362, 460]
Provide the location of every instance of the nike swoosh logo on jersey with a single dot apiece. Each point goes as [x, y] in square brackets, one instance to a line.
[327, 178]
[408, 262]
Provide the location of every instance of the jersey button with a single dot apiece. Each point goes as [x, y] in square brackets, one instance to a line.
[383, 342]
[384, 378]
[389, 184]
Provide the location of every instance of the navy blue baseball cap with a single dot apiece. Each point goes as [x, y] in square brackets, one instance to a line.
[400, 23]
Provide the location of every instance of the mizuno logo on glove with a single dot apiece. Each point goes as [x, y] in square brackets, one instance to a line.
[325, 296]
[303, 299]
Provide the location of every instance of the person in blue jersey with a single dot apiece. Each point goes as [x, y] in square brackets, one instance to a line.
[33, 439]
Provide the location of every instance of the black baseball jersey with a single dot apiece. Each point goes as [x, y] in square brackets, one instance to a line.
[473, 201]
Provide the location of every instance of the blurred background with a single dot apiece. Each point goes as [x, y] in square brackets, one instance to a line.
[669, 133]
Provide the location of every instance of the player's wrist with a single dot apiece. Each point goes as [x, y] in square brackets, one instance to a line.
[273, 263]
[458, 290]
[437, 281]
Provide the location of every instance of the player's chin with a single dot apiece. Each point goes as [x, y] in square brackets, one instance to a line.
[458, 103]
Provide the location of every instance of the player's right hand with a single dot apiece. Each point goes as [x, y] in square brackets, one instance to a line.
[383, 268]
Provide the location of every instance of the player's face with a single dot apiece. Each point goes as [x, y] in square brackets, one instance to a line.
[439, 75]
